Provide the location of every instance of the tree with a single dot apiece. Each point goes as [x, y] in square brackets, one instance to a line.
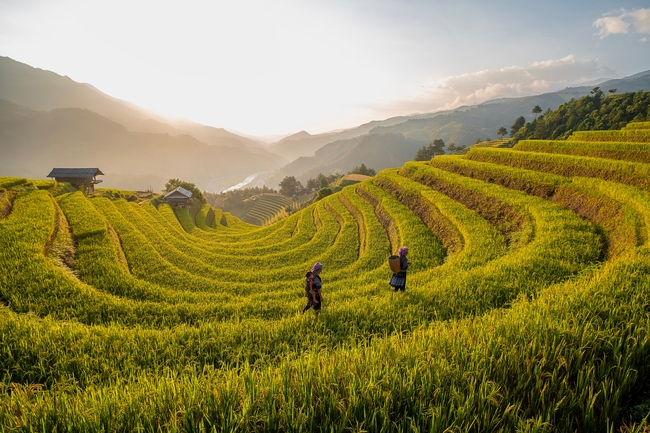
[536, 110]
[362, 169]
[312, 185]
[322, 180]
[172, 184]
[597, 96]
[519, 123]
[612, 90]
[290, 186]
[333, 177]
[502, 132]
[436, 147]
[451, 147]
[323, 192]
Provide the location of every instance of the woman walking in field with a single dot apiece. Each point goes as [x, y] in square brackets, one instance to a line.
[398, 280]
[309, 291]
[316, 286]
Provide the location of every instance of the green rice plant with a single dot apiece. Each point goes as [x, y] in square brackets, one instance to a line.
[618, 222]
[563, 244]
[235, 223]
[186, 220]
[218, 265]
[522, 328]
[512, 223]
[542, 362]
[43, 184]
[374, 245]
[635, 152]
[630, 173]
[162, 263]
[623, 135]
[291, 231]
[33, 283]
[8, 182]
[411, 231]
[266, 208]
[224, 233]
[218, 214]
[364, 191]
[412, 197]
[205, 218]
[5, 203]
[637, 125]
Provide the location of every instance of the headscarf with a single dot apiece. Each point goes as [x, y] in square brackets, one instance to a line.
[317, 266]
[403, 251]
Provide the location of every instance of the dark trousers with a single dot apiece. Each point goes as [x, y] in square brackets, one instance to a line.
[312, 301]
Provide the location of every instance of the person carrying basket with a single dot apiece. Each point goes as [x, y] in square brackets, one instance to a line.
[398, 280]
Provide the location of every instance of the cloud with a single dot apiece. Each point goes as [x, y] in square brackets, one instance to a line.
[634, 22]
[513, 81]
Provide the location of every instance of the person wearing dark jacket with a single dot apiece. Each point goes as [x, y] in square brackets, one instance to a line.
[398, 281]
[317, 285]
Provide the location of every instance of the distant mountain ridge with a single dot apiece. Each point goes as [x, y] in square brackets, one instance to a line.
[462, 126]
[45, 90]
[32, 95]
[33, 142]
[298, 145]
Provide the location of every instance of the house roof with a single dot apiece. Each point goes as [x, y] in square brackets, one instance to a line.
[179, 192]
[81, 173]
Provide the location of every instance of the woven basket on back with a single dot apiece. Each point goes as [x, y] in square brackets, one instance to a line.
[393, 262]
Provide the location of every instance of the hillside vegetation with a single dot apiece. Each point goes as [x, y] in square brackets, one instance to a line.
[527, 306]
[592, 112]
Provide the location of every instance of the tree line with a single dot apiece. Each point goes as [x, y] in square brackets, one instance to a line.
[437, 147]
[595, 111]
[290, 186]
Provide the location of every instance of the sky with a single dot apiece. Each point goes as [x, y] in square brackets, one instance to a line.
[267, 68]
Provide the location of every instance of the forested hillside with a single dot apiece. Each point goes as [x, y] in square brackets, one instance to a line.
[526, 305]
[596, 111]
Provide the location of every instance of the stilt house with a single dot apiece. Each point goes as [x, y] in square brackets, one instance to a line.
[178, 197]
[83, 178]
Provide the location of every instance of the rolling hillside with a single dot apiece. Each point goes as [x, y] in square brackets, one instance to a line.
[66, 123]
[527, 304]
[45, 90]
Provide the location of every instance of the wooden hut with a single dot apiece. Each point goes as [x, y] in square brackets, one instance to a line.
[83, 178]
[178, 197]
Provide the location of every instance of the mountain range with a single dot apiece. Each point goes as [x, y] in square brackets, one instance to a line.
[48, 120]
[462, 126]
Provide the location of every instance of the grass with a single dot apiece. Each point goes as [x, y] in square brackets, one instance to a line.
[526, 306]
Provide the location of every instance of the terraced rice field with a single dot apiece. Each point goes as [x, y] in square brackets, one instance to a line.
[527, 305]
[267, 208]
